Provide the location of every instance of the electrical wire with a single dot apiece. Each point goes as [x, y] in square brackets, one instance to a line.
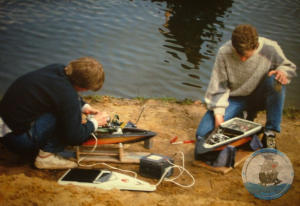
[181, 169]
[101, 163]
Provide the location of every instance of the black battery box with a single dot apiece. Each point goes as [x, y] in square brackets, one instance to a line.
[154, 166]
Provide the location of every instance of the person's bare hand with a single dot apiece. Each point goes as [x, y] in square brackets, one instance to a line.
[219, 119]
[102, 118]
[280, 76]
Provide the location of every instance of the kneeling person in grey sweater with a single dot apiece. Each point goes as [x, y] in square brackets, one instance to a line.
[249, 74]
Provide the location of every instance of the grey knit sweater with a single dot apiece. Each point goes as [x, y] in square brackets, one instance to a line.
[232, 77]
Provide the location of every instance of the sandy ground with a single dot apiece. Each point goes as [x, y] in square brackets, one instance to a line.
[22, 184]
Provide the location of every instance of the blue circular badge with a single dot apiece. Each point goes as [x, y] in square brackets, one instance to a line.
[268, 174]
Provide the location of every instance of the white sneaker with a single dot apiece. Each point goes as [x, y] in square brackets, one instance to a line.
[47, 160]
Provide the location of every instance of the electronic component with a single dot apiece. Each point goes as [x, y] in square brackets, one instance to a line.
[154, 166]
[104, 179]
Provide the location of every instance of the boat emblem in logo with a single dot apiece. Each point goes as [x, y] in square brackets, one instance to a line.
[268, 174]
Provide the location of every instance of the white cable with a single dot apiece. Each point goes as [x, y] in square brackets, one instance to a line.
[128, 171]
[92, 150]
[101, 163]
[180, 168]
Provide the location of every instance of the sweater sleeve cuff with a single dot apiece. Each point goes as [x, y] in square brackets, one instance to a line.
[85, 106]
[219, 110]
[95, 123]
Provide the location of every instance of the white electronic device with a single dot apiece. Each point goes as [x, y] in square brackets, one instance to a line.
[104, 179]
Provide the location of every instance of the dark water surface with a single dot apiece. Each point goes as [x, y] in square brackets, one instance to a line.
[148, 48]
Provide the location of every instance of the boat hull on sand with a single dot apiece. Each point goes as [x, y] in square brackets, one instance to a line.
[125, 136]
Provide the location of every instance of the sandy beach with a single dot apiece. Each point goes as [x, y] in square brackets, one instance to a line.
[22, 184]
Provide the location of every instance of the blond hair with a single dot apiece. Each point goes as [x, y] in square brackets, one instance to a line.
[86, 72]
[244, 38]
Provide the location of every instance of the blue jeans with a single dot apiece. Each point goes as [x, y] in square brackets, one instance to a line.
[265, 96]
[42, 135]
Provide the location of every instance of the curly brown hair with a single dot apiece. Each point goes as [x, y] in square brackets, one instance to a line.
[86, 72]
[244, 38]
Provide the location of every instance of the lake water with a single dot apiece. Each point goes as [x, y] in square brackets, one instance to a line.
[148, 48]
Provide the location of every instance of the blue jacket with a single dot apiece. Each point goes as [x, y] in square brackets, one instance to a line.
[47, 90]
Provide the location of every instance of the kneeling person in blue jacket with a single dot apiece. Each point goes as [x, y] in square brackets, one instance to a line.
[43, 112]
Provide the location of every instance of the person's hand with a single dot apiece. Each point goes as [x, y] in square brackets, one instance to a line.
[102, 118]
[219, 119]
[90, 110]
[280, 76]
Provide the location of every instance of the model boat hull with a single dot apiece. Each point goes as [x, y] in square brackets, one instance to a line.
[128, 135]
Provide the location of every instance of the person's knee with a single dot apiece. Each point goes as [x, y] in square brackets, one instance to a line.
[202, 132]
[206, 125]
[273, 85]
[46, 123]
